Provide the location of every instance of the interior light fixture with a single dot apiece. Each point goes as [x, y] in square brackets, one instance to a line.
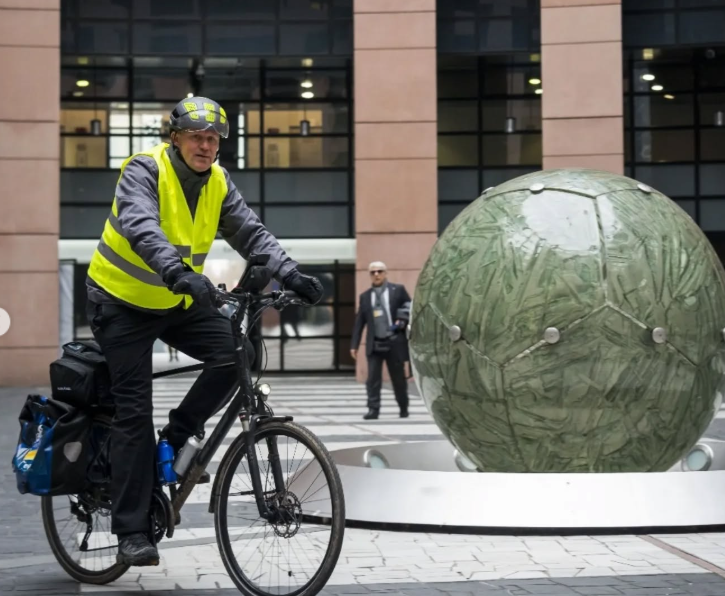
[668, 96]
[510, 125]
[189, 95]
[648, 54]
[306, 84]
[307, 95]
[648, 77]
[719, 118]
[657, 87]
[82, 83]
[534, 81]
[307, 62]
[78, 94]
[539, 91]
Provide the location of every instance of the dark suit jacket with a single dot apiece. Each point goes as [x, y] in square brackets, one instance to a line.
[397, 296]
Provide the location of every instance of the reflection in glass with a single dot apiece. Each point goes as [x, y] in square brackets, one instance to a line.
[325, 221]
[712, 144]
[456, 36]
[304, 38]
[457, 150]
[664, 145]
[663, 110]
[102, 37]
[457, 185]
[306, 152]
[167, 38]
[306, 187]
[512, 149]
[457, 116]
[457, 83]
[100, 83]
[286, 84]
[249, 9]
[712, 108]
[240, 39]
[161, 83]
[526, 114]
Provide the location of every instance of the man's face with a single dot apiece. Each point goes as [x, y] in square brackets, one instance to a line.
[378, 276]
[198, 149]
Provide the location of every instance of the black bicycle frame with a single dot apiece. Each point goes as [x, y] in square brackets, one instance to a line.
[246, 406]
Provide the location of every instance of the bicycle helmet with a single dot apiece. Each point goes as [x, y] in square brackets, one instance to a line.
[199, 114]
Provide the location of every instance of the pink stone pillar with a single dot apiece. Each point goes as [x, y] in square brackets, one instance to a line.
[396, 195]
[581, 54]
[29, 200]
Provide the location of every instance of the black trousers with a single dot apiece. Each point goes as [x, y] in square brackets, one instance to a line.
[127, 337]
[396, 369]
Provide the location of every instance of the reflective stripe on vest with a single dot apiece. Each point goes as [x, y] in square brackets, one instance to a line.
[117, 268]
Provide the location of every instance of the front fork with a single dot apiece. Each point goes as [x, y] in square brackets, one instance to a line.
[249, 425]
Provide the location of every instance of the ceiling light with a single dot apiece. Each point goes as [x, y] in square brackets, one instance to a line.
[657, 87]
[535, 81]
[306, 84]
[539, 91]
[307, 94]
[648, 77]
[668, 96]
[189, 95]
[82, 83]
[78, 94]
[648, 53]
[82, 60]
[307, 62]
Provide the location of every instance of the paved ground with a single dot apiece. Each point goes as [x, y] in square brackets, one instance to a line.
[372, 561]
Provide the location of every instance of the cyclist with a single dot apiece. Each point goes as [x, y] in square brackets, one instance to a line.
[145, 282]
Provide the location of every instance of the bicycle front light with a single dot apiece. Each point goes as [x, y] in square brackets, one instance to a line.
[263, 390]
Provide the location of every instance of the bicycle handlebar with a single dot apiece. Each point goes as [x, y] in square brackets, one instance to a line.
[275, 298]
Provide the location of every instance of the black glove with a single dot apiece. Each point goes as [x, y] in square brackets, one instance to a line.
[306, 286]
[196, 285]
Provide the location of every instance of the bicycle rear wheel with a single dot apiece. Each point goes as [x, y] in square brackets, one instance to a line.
[78, 528]
[295, 557]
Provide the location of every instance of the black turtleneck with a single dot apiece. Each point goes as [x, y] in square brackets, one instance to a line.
[191, 181]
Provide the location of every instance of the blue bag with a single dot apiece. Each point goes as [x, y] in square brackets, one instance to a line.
[53, 452]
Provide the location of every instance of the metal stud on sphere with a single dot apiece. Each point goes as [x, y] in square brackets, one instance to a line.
[591, 313]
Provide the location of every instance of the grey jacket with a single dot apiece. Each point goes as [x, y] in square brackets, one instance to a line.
[137, 201]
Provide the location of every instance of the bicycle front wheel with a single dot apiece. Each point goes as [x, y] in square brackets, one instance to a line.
[295, 554]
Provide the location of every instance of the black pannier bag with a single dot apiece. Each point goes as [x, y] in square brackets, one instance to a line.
[80, 377]
[54, 451]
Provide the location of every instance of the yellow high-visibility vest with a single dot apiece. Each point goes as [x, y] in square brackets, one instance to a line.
[115, 266]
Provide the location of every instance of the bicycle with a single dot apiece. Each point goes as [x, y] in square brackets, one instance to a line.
[280, 510]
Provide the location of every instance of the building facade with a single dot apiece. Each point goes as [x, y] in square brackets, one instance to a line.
[359, 129]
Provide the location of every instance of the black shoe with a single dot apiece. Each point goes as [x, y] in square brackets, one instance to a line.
[371, 415]
[136, 550]
[404, 413]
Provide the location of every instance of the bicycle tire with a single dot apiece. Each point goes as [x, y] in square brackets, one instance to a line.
[76, 571]
[233, 457]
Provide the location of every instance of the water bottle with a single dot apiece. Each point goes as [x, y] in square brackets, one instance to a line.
[186, 455]
[165, 462]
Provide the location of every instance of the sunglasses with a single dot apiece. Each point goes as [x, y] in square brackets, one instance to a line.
[376, 271]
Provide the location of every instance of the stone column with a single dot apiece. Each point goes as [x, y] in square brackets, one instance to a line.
[581, 54]
[396, 195]
[29, 199]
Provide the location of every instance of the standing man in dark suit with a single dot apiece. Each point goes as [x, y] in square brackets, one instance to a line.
[385, 338]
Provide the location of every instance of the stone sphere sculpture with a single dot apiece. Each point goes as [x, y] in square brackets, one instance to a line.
[571, 320]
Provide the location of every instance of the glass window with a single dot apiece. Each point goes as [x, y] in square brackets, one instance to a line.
[699, 27]
[244, 39]
[457, 116]
[342, 9]
[249, 154]
[88, 186]
[248, 185]
[161, 83]
[102, 37]
[456, 36]
[287, 84]
[672, 180]
[504, 35]
[304, 38]
[152, 119]
[167, 9]
[712, 215]
[91, 83]
[688, 206]
[84, 152]
[84, 222]
[650, 29]
[104, 9]
[231, 83]
[512, 115]
[76, 117]
[248, 118]
[457, 185]
[712, 144]
[306, 187]
[306, 152]
[457, 150]
[307, 222]
[447, 212]
[712, 72]
[455, 84]
[234, 9]
[342, 37]
[285, 118]
[514, 80]
[494, 177]
[664, 145]
[712, 108]
[166, 38]
[512, 149]
[712, 179]
[664, 110]
[293, 10]
[670, 77]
